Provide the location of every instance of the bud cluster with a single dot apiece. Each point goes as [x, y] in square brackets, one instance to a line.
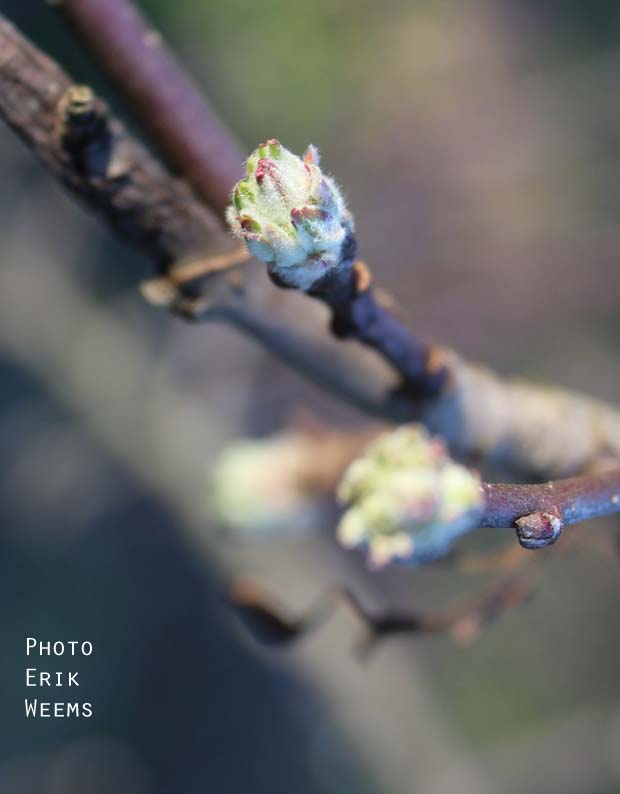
[292, 216]
[408, 500]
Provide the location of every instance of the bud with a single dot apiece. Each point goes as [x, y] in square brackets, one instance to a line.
[292, 216]
[259, 486]
[539, 530]
[408, 500]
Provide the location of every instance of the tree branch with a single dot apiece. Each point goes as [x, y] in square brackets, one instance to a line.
[545, 431]
[98, 162]
[193, 140]
[270, 624]
[575, 499]
[120, 181]
[313, 459]
[357, 314]
[160, 95]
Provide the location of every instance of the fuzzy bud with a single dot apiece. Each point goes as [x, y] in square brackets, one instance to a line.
[258, 486]
[408, 500]
[292, 216]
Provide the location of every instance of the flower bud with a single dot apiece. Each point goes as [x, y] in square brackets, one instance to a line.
[259, 486]
[292, 216]
[408, 500]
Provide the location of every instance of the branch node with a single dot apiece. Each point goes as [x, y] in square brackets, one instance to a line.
[83, 132]
[362, 275]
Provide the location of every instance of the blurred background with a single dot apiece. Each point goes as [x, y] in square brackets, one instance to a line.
[479, 146]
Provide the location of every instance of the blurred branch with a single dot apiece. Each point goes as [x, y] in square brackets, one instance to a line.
[269, 623]
[529, 428]
[369, 389]
[160, 95]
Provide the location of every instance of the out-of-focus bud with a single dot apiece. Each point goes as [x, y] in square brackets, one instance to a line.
[259, 486]
[408, 500]
[292, 216]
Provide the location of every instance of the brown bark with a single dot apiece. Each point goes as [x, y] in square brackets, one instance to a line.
[129, 188]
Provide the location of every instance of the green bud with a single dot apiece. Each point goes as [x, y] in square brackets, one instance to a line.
[257, 486]
[408, 500]
[300, 211]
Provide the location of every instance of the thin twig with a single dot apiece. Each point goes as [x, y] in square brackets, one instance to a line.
[575, 499]
[184, 272]
[164, 290]
[269, 622]
[331, 368]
